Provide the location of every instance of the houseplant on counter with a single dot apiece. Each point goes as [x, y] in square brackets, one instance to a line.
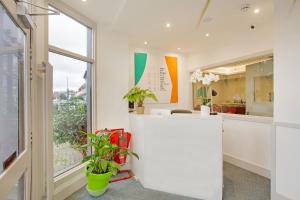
[138, 95]
[205, 92]
[100, 164]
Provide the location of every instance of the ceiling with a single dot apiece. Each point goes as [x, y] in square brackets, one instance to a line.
[145, 20]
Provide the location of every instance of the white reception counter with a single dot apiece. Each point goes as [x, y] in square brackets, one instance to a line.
[179, 154]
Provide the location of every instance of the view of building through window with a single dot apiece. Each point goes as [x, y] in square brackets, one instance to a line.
[71, 96]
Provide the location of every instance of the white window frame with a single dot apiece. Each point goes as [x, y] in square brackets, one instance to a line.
[22, 164]
[72, 180]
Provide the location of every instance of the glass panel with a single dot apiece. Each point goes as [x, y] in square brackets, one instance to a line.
[12, 41]
[263, 89]
[69, 34]
[230, 94]
[246, 87]
[70, 80]
[260, 88]
[18, 191]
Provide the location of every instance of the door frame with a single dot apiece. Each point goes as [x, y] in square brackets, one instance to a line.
[22, 164]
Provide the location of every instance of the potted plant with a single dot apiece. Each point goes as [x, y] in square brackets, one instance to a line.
[100, 164]
[205, 92]
[138, 95]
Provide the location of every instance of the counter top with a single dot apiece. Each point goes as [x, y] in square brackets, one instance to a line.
[195, 115]
[251, 118]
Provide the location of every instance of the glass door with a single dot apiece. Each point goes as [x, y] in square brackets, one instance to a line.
[15, 148]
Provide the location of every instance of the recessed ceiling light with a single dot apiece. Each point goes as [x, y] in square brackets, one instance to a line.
[257, 10]
[207, 35]
[168, 25]
[83, 0]
[145, 43]
[178, 48]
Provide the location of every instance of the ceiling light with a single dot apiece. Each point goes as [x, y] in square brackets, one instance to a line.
[178, 48]
[145, 43]
[83, 0]
[207, 35]
[257, 10]
[168, 25]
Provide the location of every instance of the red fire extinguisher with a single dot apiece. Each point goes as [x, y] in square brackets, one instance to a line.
[122, 139]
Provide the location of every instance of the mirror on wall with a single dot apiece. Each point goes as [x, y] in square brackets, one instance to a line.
[245, 87]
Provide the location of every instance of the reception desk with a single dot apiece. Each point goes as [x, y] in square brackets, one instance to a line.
[179, 154]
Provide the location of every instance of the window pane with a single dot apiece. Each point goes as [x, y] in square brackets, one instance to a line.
[11, 101]
[18, 191]
[70, 80]
[68, 34]
[263, 89]
[260, 88]
[246, 87]
[230, 97]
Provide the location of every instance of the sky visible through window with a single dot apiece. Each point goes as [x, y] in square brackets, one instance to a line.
[68, 34]
[67, 73]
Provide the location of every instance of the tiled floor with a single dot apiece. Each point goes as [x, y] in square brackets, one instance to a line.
[239, 184]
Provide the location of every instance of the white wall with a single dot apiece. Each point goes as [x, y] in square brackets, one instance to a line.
[183, 78]
[286, 102]
[112, 79]
[247, 43]
[115, 75]
[247, 142]
[287, 61]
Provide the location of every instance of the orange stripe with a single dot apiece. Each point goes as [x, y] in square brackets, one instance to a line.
[172, 67]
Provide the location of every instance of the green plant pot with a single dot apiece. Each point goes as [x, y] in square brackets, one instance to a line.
[97, 184]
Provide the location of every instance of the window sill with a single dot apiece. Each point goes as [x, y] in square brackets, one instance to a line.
[69, 182]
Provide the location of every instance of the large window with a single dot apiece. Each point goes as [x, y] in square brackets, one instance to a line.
[245, 87]
[70, 53]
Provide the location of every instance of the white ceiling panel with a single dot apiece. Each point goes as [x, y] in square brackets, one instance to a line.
[145, 20]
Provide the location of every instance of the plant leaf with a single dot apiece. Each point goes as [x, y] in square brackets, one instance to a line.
[104, 164]
[135, 155]
[115, 165]
[86, 158]
[114, 171]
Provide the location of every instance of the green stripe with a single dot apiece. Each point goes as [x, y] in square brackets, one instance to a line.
[140, 60]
